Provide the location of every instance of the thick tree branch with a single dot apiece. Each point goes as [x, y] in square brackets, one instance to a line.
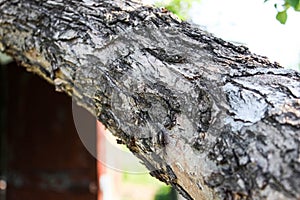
[206, 116]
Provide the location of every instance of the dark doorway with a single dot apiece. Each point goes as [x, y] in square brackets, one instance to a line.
[42, 156]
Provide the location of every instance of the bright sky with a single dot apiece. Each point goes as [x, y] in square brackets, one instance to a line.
[252, 23]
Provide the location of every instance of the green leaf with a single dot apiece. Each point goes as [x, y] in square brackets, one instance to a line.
[293, 3]
[297, 8]
[282, 17]
[178, 7]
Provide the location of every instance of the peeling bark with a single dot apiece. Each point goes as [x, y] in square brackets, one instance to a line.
[208, 117]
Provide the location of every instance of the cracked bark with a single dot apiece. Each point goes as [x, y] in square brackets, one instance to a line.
[208, 117]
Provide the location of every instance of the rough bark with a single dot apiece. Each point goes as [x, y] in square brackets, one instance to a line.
[208, 117]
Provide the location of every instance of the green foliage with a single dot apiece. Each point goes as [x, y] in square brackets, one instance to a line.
[294, 3]
[282, 17]
[178, 7]
[165, 193]
[140, 179]
[182, 7]
[282, 14]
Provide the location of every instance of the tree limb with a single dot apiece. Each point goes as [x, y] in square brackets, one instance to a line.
[208, 117]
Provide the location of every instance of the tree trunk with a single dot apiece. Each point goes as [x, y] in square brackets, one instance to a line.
[208, 117]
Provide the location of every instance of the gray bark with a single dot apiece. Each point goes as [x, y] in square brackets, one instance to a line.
[208, 117]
